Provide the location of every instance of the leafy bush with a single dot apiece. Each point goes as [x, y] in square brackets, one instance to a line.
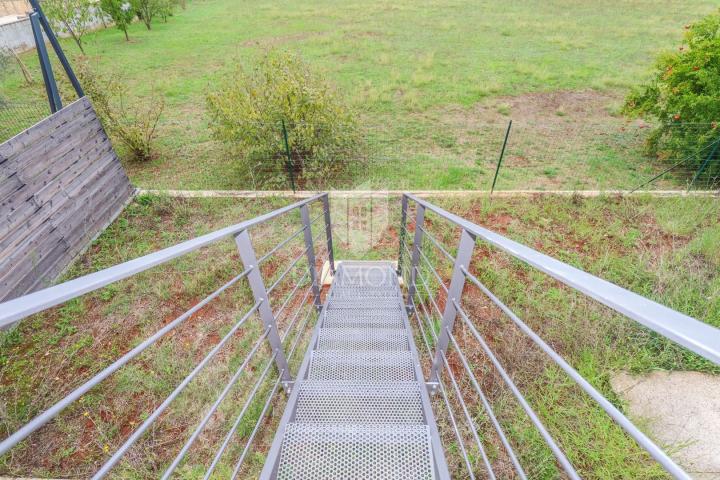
[684, 96]
[121, 12]
[132, 123]
[72, 16]
[248, 111]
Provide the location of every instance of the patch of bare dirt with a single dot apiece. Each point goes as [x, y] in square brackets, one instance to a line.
[552, 108]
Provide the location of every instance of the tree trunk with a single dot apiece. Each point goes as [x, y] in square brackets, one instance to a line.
[77, 39]
[26, 73]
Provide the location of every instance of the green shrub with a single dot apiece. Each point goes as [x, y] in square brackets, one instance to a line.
[131, 122]
[121, 12]
[248, 110]
[684, 96]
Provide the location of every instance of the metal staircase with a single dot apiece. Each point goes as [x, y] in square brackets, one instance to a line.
[359, 408]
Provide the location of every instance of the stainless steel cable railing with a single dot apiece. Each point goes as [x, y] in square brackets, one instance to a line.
[424, 300]
[296, 295]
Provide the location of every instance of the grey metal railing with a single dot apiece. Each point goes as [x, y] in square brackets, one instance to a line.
[17, 309]
[686, 331]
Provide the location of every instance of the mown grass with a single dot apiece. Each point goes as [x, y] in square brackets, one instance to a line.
[436, 83]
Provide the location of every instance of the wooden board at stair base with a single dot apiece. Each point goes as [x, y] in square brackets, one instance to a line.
[327, 276]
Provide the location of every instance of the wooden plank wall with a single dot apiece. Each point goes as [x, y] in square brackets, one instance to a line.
[61, 183]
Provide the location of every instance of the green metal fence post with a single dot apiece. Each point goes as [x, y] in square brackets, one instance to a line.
[289, 158]
[705, 163]
[502, 154]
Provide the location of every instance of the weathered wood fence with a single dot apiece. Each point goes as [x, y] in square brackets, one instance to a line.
[61, 183]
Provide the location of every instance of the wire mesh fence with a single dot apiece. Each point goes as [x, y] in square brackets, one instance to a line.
[16, 116]
[555, 155]
[566, 156]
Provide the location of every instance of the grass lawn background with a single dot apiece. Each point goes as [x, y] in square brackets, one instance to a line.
[437, 83]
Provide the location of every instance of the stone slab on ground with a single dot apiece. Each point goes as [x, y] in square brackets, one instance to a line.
[682, 413]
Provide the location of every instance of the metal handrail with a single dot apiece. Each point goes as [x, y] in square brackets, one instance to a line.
[280, 245]
[261, 417]
[655, 451]
[211, 411]
[488, 408]
[238, 419]
[291, 323]
[689, 332]
[697, 336]
[449, 411]
[437, 244]
[17, 309]
[501, 434]
[120, 452]
[290, 295]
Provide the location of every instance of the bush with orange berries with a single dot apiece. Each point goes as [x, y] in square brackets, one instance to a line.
[683, 95]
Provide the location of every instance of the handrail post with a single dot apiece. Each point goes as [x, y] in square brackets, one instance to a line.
[403, 226]
[457, 283]
[310, 252]
[247, 255]
[328, 232]
[419, 220]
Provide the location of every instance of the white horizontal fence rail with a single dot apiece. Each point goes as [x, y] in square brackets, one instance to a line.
[15, 310]
[686, 331]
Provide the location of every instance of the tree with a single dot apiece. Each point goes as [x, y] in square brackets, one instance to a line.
[72, 16]
[7, 55]
[683, 94]
[121, 12]
[146, 10]
[165, 8]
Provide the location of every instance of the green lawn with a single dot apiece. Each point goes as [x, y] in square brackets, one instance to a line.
[436, 84]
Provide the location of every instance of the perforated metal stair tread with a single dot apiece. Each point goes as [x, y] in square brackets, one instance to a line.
[386, 339]
[355, 452]
[353, 302]
[359, 408]
[358, 317]
[364, 292]
[359, 403]
[372, 366]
